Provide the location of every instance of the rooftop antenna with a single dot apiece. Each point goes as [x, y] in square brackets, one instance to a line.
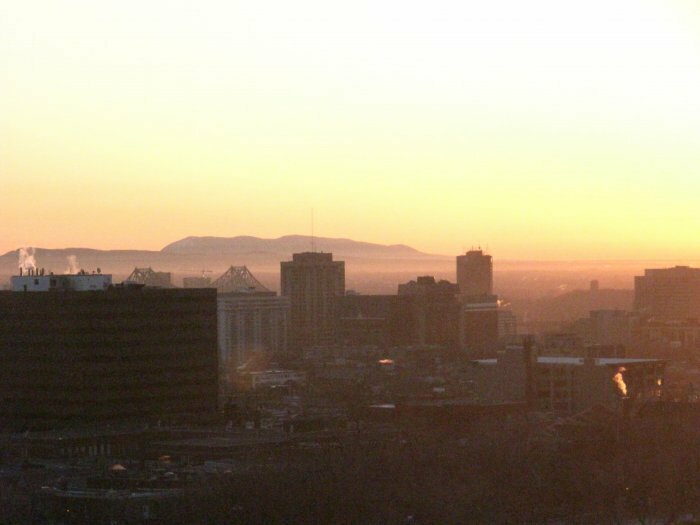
[313, 239]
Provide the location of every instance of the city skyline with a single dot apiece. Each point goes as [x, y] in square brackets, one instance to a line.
[349, 262]
[540, 131]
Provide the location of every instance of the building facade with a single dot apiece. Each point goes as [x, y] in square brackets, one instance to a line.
[507, 324]
[378, 320]
[250, 323]
[120, 354]
[668, 294]
[479, 327]
[567, 384]
[435, 309]
[475, 273]
[41, 282]
[314, 284]
[668, 338]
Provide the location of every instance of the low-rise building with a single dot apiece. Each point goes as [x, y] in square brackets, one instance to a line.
[564, 383]
[272, 378]
[668, 338]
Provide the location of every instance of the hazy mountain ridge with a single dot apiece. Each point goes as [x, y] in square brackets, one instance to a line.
[192, 255]
[289, 244]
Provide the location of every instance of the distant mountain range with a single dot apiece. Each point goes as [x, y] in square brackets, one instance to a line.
[192, 255]
[292, 244]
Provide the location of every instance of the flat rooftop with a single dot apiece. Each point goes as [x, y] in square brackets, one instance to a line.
[579, 361]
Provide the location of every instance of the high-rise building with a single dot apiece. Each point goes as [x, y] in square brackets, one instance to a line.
[435, 310]
[314, 283]
[474, 273]
[86, 352]
[668, 293]
[481, 325]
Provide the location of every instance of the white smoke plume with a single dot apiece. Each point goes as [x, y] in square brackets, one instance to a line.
[620, 381]
[26, 259]
[73, 266]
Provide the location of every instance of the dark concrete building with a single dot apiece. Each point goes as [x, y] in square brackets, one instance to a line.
[122, 354]
[475, 273]
[667, 338]
[668, 293]
[425, 312]
[479, 328]
[435, 310]
[314, 283]
[567, 384]
[378, 320]
[481, 323]
[607, 327]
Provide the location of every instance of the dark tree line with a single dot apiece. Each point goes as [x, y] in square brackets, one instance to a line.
[516, 471]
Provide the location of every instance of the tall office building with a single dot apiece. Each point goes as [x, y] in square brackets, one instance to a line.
[435, 310]
[668, 293]
[474, 273]
[314, 283]
[74, 349]
[480, 327]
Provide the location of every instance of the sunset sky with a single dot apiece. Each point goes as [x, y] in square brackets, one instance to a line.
[541, 129]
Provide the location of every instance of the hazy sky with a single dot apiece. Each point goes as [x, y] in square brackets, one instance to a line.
[541, 128]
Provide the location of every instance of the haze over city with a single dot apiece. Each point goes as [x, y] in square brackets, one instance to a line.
[316, 262]
[544, 130]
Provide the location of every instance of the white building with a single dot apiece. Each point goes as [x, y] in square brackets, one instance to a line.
[37, 281]
[274, 378]
[250, 323]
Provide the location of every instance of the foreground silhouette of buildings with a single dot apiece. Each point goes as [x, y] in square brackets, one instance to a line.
[366, 433]
[120, 353]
